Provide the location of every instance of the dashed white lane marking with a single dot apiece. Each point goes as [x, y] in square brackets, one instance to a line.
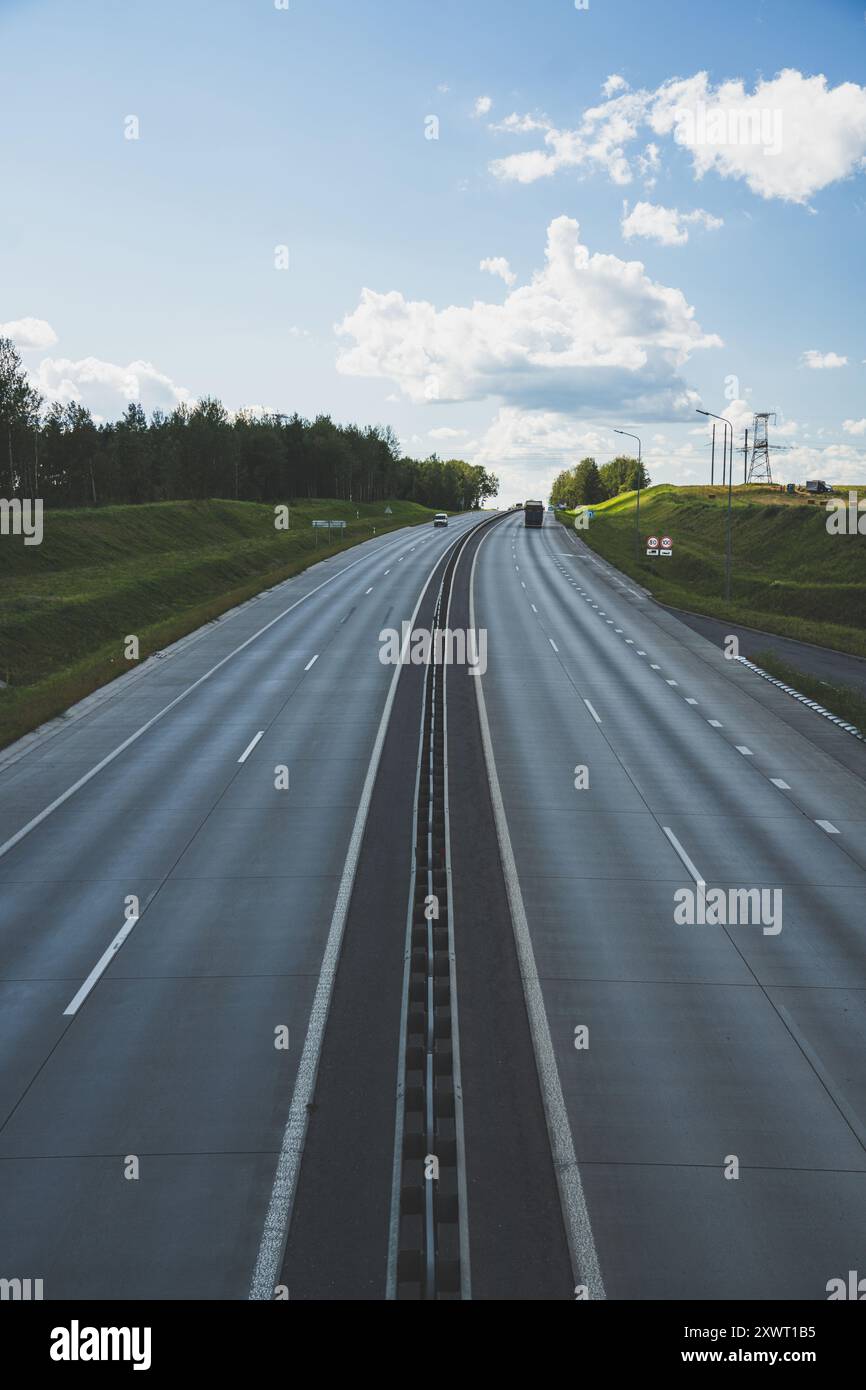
[553, 644]
[369, 591]
[591, 710]
[690, 701]
[99, 968]
[629, 641]
[311, 662]
[741, 748]
[698, 878]
[673, 682]
[250, 746]
[716, 723]
[387, 571]
[619, 630]
[653, 667]
[533, 607]
[522, 584]
[828, 826]
[641, 653]
[783, 786]
[160, 714]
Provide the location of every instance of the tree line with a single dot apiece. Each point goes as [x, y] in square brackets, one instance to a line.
[60, 453]
[586, 483]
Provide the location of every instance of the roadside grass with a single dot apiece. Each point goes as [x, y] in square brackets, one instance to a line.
[789, 575]
[159, 571]
[841, 700]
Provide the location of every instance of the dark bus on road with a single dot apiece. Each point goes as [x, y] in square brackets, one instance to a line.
[533, 513]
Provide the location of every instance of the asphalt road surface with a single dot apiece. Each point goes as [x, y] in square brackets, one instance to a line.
[171, 1058]
[706, 1043]
[197, 1087]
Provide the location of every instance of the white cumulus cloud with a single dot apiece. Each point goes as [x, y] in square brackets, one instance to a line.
[483, 106]
[615, 83]
[822, 361]
[29, 333]
[498, 265]
[668, 226]
[854, 426]
[589, 331]
[105, 387]
[787, 138]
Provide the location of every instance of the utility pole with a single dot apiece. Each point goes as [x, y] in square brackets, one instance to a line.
[637, 507]
[746, 457]
[728, 545]
[713, 457]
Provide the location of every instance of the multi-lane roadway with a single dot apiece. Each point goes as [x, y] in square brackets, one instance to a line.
[204, 957]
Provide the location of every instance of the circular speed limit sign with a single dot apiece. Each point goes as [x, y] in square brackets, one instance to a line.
[666, 542]
[653, 542]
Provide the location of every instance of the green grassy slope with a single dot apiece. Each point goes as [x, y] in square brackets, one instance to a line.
[789, 574]
[158, 570]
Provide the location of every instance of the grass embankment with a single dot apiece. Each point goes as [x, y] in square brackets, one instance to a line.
[158, 570]
[790, 575]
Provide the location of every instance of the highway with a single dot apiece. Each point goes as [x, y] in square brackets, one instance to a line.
[199, 1093]
[171, 1057]
[704, 1042]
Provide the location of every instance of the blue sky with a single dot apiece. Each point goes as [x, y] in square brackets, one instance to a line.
[146, 268]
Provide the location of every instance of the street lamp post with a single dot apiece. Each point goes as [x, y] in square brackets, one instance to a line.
[729, 426]
[637, 507]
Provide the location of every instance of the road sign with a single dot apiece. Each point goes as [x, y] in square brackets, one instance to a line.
[654, 546]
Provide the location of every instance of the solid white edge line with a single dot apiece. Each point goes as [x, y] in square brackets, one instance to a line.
[592, 710]
[107, 956]
[698, 878]
[250, 746]
[584, 1256]
[133, 738]
[278, 1217]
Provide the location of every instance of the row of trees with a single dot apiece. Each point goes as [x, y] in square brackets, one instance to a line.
[587, 484]
[62, 455]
